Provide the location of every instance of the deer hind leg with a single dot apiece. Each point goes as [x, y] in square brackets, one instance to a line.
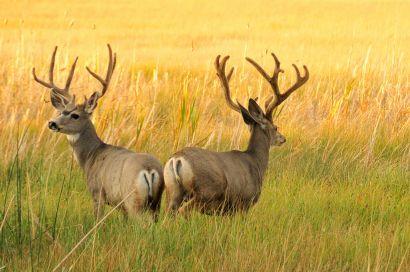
[174, 190]
[134, 205]
[138, 201]
[187, 207]
[157, 187]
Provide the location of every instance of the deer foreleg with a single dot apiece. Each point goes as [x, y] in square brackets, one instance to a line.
[99, 202]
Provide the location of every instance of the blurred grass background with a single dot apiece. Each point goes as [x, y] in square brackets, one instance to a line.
[336, 196]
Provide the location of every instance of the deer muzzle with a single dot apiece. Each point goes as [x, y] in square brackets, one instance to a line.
[53, 126]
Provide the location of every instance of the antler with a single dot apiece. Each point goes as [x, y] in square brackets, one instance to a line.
[111, 66]
[224, 79]
[272, 103]
[62, 93]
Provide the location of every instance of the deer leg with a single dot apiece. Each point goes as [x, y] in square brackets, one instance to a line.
[134, 205]
[155, 204]
[98, 208]
[124, 213]
[99, 201]
[187, 207]
[174, 192]
[155, 208]
[175, 198]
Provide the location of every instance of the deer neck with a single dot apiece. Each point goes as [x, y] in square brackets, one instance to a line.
[258, 148]
[85, 143]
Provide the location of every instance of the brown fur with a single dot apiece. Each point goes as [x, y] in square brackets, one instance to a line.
[223, 182]
[226, 182]
[114, 171]
[114, 174]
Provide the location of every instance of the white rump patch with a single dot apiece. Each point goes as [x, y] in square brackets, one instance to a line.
[147, 180]
[186, 174]
[72, 138]
[177, 172]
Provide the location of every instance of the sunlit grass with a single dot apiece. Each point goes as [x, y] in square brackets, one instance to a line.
[335, 197]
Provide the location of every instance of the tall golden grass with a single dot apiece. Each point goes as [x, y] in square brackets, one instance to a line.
[352, 114]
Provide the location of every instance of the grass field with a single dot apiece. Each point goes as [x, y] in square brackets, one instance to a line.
[336, 196]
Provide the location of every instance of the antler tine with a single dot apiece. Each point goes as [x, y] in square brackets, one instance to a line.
[112, 61]
[62, 92]
[273, 80]
[300, 80]
[39, 80]
[259, 68]
[71, 74]
[224, 79]
[51, 70]
[274, 101]
[275, 76]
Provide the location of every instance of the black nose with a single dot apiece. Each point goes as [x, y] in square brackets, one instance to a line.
[52, 125]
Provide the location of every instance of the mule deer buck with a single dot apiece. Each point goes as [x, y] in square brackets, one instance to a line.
[226, 182]
[113, 173]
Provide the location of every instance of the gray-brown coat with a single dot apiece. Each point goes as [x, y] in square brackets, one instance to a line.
[115, 175]
[226, 182]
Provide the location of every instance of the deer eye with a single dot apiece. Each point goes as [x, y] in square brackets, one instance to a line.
[75, 116]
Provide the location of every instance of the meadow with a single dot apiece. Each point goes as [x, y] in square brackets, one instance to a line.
[336, 196]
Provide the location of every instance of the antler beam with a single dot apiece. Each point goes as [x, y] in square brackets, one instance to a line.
[111, 66]
[224, 79]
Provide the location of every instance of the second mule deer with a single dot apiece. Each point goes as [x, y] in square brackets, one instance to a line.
[114, 174]
[225, 182]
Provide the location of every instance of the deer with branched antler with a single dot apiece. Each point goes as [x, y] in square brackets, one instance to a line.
[114, 174]
[227, 182]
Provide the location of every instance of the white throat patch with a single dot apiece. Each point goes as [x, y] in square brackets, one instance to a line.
[72, 138]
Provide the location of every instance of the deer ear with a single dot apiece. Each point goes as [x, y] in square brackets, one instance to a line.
[255, 111]
[247, 117]
[57, 102]
[91, 103]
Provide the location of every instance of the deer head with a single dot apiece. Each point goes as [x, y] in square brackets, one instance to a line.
[254, 115]
[71, 117]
